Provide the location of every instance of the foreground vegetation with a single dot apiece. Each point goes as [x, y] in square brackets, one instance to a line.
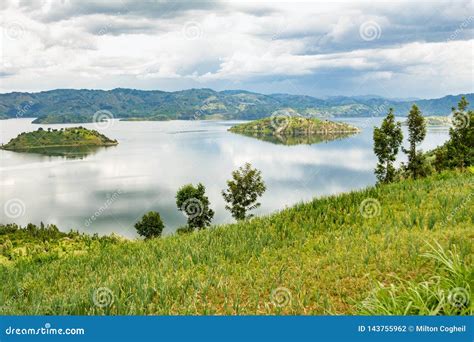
[360, 252]
[64, 137]
[457, 152]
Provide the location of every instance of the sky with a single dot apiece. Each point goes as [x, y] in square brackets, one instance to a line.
[395, 49]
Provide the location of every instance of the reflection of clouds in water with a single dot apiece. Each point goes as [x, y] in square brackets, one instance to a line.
[148, 166]
[279, 158]
[30, 166]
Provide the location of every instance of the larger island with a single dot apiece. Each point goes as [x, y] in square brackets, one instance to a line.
[294, 130]
[57, 141]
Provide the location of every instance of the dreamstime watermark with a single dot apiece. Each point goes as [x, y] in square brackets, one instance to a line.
[370, 30]
[459, 297]
[22, 110]
[104, 30]
[450, 217]
[280, 297]
[282, 27]
[369, 208]
[14, 30]
[46, 330]
[199, 114]
[280, 119]
[192, 208]
[108, 28]
[459, 120]
[103, 207]
[20, 292]
[102, 119]
[103, 297]
[192, 30]
[14, 208]
[464, 24]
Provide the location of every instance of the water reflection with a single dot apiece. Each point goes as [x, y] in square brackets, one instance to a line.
[297, 139]
[116, 186]
[69, 152]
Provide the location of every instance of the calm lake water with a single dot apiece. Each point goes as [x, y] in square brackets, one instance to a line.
[110, 189]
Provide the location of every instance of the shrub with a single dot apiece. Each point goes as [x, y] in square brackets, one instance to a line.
[194, 203]
[150, 225]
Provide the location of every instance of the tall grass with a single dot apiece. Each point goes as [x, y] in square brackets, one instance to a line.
[447, 292]
[321, 257]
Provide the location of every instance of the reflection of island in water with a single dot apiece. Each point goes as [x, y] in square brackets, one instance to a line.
[298, 139]
[69, 152]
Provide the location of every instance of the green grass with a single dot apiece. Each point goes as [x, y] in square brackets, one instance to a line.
[334, 255]
[448, 292]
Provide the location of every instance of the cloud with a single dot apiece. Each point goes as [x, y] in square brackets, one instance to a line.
[305, 47]
[53, 11]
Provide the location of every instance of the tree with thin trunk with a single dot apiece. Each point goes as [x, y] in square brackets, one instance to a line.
[387, 141]
[243, 191]
[460, 147]
[416, 134]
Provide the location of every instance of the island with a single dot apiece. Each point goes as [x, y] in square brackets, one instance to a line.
[63, 118]
[434, 121]
[73, 141]
[294, 130]
[147, 118]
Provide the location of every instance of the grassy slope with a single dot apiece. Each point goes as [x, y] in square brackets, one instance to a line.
[324, 252]
[74, 136]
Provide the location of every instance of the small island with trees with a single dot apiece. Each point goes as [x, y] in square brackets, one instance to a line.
[442, 121]
[293, 130]
[42, 140]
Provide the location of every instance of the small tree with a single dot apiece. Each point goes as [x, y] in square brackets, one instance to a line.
[416, 134]
[387, 141]
[150, 225]
[460, 148]
[193, 202]
[243, 191]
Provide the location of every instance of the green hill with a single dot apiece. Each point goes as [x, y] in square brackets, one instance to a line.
[64, 137]
[362, 252]
[79, 105]
[63, 118]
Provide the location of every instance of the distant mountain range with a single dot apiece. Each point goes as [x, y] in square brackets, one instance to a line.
[76, 106]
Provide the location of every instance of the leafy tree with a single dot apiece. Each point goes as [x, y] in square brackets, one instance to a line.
[243, 191]
[193, 202]
[416, 133]
[150, 225]
[440, 157]
[387, 141]
[460, 148]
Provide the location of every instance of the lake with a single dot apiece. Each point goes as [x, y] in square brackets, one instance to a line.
[111, 188]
